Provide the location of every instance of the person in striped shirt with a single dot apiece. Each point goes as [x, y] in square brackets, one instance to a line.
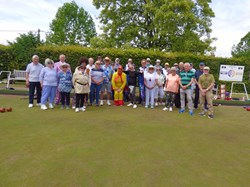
[186, 80]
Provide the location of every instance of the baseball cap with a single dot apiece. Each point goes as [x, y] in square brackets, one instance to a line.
[206, 68]
[202, 64]
[166, 64]
[148, 59]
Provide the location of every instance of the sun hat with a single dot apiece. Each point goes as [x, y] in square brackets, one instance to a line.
[97, 62]
[206, 68]
[64, 64]
[175, 64]
[107, 58]
[148, 59]
[158, 61]
[166, 64]
[151, 67]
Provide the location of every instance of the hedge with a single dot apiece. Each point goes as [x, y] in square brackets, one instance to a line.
[73, 53]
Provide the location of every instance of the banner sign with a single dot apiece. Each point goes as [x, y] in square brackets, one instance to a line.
[231, 73]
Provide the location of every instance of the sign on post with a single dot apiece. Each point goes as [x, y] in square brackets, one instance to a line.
[231, 73]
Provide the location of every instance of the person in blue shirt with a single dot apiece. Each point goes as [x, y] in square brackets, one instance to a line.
[106, 86]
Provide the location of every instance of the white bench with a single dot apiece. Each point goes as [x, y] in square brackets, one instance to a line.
[18, 75]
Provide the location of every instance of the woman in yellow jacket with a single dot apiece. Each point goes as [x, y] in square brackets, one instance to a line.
[118, 84]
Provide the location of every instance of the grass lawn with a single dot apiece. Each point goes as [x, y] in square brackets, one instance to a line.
[121, 146]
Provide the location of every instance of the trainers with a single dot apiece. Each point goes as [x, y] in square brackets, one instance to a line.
[135, 106]
[43, 107]
[191, 113]
[152, 107]
[165, 109]
[67, 107]
[73, 107]
[101, 102]
[181, 111]
[108, 103]
[38, 104]
[30, 105]
[77, 110]
[156, 104]
[146, 106]
[51, 106]
[83, 109]
[211, 116]
[170, 109]
[202, 114]
[130, 104]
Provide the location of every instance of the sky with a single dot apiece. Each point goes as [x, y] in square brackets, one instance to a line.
[231, 22]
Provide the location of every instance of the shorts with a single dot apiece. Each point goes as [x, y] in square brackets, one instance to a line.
[107, 87]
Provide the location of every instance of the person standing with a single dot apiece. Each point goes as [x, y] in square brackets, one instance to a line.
[142, 70]
[171, 88]
[150, 82]
[48, 80]
[159, 87]
[80, 82]
[106, 86]
[65, 85]
[198, 73]
[186, 81]
[131, 79]
[179, 69]
[118, 83]
[33, 71]
[97, 77]
[206, 84]
[57, 67]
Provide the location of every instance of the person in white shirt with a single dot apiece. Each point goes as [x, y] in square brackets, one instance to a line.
[32, 80]
[159, 87]
[150, 82]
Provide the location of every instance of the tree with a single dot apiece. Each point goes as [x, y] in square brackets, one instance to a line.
[242, 49]
[23, 48]
[71, 26]
[172, 25]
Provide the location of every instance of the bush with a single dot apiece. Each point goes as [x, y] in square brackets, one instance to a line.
[73, 54]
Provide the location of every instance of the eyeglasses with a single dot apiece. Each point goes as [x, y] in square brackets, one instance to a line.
[50, 63]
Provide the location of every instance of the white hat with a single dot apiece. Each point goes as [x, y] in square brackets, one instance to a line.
[206, 68]
[148, 59]
[151, 67]
[158, 61]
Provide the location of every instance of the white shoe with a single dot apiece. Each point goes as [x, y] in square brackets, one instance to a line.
[165, 109]
[156, 104]
[38, 104]
[30, 105]
[83, 109]
[77, 110]
[51, 106]
[170, 109]
[73, 107]
[108, 103]
[101, 102]
[130, 104]
[135, 106]
[43, 107]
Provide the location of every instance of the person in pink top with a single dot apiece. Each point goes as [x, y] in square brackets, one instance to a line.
[57, 67]
[171, 88]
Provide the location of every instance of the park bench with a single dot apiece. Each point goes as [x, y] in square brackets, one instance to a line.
[17, 75]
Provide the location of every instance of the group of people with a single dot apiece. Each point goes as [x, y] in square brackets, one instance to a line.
[91, 79]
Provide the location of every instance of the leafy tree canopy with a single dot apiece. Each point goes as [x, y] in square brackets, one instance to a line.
[171, 25]
[242, 49]
[71, 26]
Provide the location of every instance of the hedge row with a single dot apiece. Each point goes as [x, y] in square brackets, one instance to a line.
[73, 53]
